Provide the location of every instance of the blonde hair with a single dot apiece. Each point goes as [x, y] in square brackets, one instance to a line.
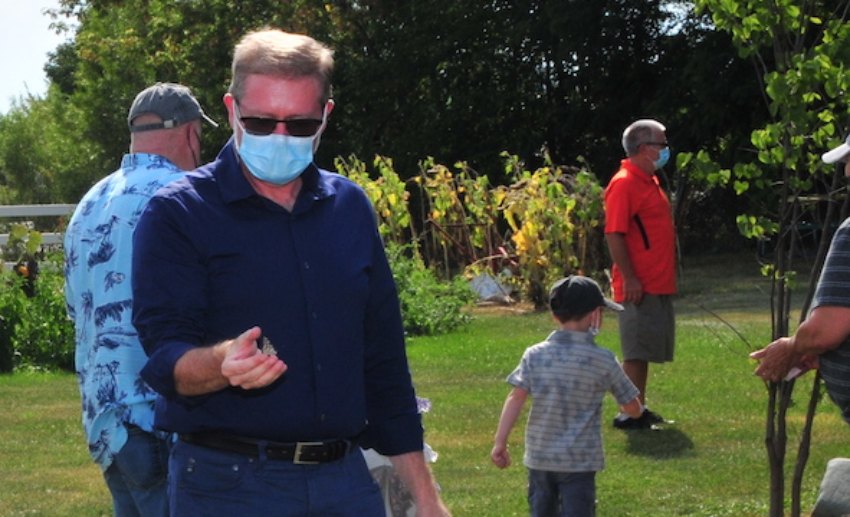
[283, 54]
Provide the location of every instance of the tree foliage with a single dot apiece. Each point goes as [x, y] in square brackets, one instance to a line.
[454, 81]
[800, 52]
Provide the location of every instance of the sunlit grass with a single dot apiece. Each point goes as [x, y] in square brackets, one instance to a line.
[712, 462]
[46, 468]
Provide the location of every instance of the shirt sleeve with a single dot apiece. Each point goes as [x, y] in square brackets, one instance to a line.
[833, 288]
[622, 388]
[168, 293]
[617, 209]
[519, 378]
[395, 426]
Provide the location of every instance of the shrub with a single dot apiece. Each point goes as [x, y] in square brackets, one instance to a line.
[35, 330]
[428, 305]
[44, 336]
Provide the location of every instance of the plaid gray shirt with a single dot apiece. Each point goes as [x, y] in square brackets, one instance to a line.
[834, 290]
[567, 376]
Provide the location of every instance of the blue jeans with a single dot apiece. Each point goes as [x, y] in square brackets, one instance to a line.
[137, 477]
[209, 482]
[562, 494]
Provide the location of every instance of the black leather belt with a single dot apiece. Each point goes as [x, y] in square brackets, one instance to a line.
[303, 453]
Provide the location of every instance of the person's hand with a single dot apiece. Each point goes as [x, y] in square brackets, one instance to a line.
[500, 456]
[432, 509]
[809, 362]
[777, 359]
[633, 290]
[245, 366]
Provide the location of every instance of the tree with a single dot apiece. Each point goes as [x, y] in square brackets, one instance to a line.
[800, 53]
[452, 81]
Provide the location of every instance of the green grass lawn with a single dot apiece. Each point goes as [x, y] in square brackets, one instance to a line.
[712, 462]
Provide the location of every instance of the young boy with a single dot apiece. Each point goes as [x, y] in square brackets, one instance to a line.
[567, 375]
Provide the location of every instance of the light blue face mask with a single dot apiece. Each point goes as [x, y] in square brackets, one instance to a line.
[275, 158]
[663, 156]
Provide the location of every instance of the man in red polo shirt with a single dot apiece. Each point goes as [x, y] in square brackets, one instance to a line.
[641, 239]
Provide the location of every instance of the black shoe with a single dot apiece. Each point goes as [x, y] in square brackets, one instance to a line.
[628, 424]
[652, 417]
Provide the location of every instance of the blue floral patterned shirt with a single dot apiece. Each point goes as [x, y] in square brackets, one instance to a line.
[98, 293]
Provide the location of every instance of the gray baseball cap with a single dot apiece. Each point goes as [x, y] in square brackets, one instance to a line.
[173, 103]
[838, 154]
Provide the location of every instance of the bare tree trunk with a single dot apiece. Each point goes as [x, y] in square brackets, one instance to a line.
[803, 450]
[806, 436]
[775, 454]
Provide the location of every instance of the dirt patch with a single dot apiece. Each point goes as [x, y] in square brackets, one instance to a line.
[499, 308]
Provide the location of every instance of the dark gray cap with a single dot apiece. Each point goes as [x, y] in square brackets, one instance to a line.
[173, 103]
[577, 295]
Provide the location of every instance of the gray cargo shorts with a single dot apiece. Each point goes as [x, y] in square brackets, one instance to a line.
[648, 329]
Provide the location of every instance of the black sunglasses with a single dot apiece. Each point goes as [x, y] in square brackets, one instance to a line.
[294, 126]
[660, 144]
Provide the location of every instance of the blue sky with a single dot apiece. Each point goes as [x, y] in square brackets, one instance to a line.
[25, 40]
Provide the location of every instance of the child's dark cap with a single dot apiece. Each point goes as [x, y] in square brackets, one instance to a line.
[577, 295]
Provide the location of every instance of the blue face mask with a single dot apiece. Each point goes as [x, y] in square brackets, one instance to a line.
[663, 156]
[275, 158]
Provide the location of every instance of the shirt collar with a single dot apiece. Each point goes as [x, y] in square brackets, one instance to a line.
[137, 160]
[234, 187]
[636, 171]
[571, 336]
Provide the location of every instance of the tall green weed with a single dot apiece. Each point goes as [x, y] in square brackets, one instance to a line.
[428, 305]
[35, 331]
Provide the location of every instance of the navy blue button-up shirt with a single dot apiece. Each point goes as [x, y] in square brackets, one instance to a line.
[212, 259]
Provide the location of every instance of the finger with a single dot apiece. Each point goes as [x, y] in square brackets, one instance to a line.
[768, 375]
[271, 374]
[758, 354]
[266, 372]
[245, 344]
[250, 336]
[242, 371]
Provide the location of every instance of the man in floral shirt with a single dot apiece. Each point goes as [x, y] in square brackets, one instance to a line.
[165, 126]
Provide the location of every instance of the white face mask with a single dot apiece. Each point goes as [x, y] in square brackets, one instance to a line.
[275, 158]
[594, 326]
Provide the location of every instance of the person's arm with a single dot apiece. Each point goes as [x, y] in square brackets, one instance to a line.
[620, 255]
[633, 408]
[236, 362]
[417, 477]
[825, 328]
[510, 412]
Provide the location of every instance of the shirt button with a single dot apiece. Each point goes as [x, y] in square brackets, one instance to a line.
[315, 316]
[318, 368]
[306, 265]
[322, 417]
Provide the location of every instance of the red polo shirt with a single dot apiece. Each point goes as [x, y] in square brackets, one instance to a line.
[636, 206]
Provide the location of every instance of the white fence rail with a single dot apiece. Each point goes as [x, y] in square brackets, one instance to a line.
[29, 211]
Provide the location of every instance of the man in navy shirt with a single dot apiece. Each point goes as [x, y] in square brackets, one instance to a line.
[265, 302]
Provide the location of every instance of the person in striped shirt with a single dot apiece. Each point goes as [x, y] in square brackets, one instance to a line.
[823, 339]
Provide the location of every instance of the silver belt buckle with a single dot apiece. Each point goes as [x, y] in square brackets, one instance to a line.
[296, 459]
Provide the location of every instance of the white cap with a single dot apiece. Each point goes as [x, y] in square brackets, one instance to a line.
[837, 154]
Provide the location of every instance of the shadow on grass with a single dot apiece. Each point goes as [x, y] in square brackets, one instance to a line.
[659, 444]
